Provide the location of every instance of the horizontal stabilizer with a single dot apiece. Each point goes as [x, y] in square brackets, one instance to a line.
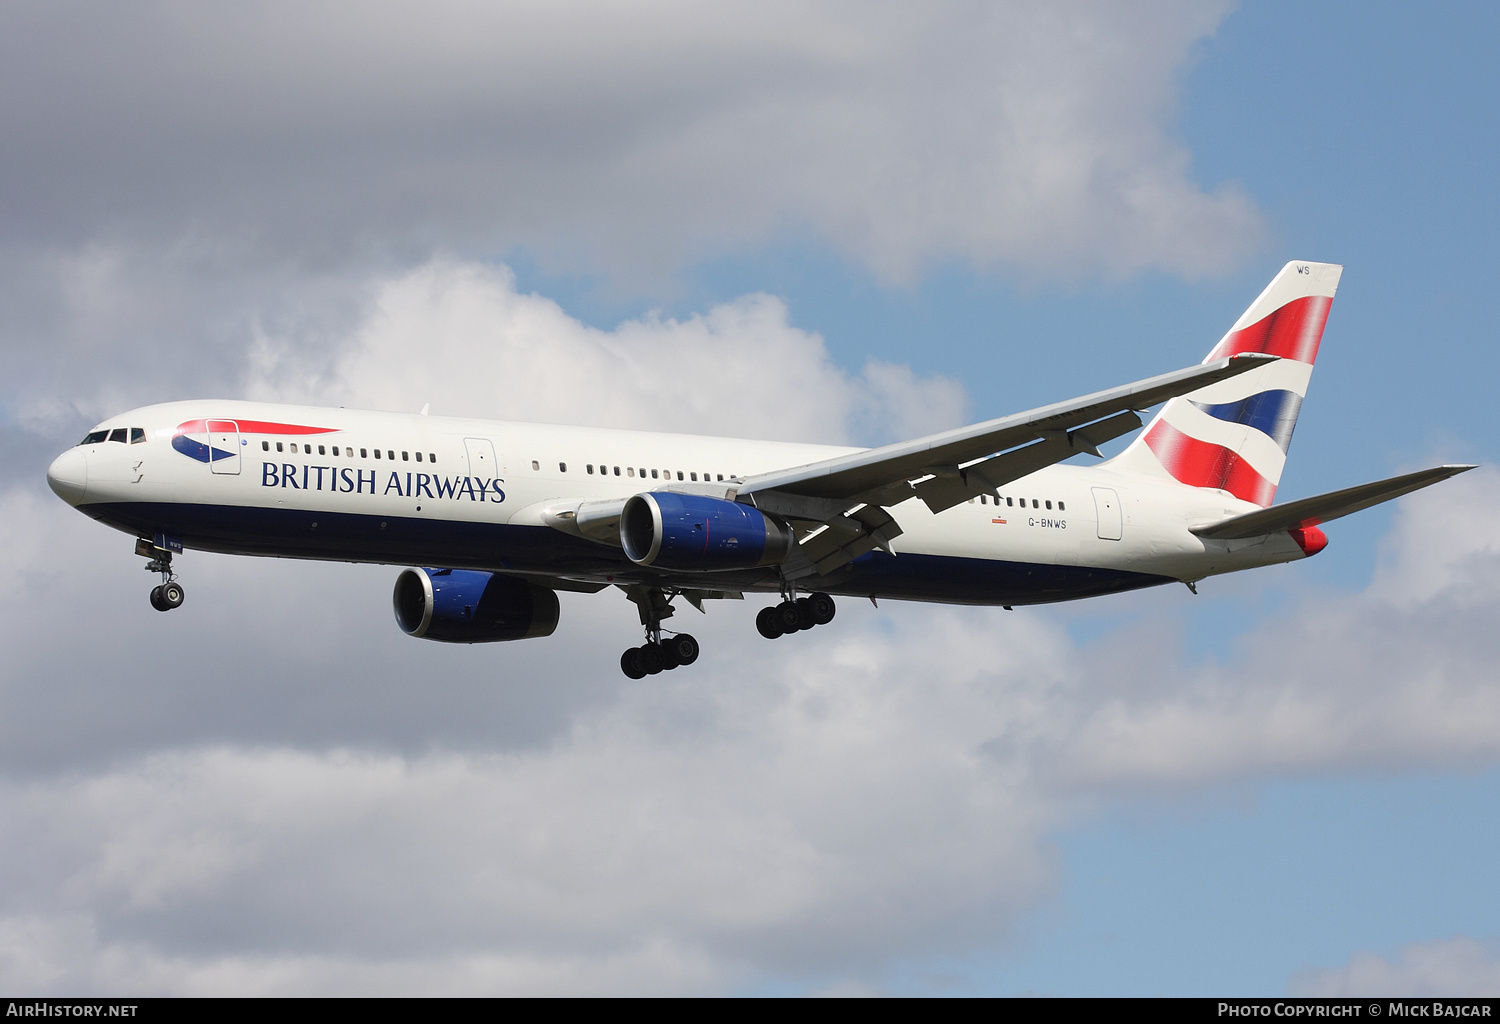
[1296, 515]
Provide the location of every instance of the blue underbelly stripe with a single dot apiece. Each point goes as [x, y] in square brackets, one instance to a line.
[394, 540]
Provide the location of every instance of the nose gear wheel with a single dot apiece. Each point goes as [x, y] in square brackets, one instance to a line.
[169, 594]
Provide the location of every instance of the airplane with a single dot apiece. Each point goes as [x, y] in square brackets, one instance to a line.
[497, 517]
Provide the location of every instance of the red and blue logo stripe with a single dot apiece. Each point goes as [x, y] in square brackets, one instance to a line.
[1292, 332]
[205, 451]
[1205, 464]
[1273, 413]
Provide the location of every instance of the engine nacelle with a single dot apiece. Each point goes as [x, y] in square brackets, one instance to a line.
[691, 532]
[460, 606]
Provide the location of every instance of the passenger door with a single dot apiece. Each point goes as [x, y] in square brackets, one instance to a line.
[1107, 511]
[482, 462]
[224, 447]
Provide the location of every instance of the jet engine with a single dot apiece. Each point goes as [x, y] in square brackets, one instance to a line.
[689, 532]
[460, 606]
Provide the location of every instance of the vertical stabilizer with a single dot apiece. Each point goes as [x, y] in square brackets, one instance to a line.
[1234, 435]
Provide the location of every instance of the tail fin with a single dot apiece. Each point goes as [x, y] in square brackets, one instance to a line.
[1234, 435]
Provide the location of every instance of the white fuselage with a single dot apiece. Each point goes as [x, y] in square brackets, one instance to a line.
[263, 479]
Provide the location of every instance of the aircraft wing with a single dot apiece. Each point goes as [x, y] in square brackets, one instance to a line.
[885, 476]
[844, 499]
[1295, 515]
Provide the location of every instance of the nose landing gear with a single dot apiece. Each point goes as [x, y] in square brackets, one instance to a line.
[795, 614]
[167, 596]
[170, 594]
[658, 653]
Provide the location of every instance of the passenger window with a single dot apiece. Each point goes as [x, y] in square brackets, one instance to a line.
[653, 474]
[630, 471]
[695, 478]
[589, 469]
[1010, 502]
[390, 454]
[137, 435]
[278, 446]
[679, 474]
[535, 465]
[562, 467]
[94, 437]
[617, 471]
[265, 446]
[643, 472]
[1061, 507]
[335, 449]
[419, 456]
[1035, 503]
[431, 457]
[721, 476]
[364, 453]
[1049, 506]
[377, 453]
[404, 457]
[118, 434]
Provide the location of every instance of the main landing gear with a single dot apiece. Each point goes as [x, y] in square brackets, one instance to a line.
[659, 653]
[170, 594]
[795, 614]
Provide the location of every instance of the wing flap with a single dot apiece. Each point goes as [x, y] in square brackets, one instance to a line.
[1296, 515]
[846, 537]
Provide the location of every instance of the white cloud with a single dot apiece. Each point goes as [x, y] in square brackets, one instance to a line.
[790, 816]
[1398, 676]
[1458, 967]
[807, 810]
[621, 136]
[459, 335]
[182, 181]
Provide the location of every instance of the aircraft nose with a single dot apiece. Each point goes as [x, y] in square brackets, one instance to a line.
[68, 476]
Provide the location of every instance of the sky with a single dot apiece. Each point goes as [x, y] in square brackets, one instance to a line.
[837, 222]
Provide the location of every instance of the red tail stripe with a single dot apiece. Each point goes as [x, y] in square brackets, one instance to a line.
[1205, 464]
[1291, 332]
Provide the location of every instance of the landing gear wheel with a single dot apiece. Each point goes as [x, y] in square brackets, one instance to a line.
[630, 664]
[652, 658]
[768, 623]
[823, 609]
[805, 617]
[787, 617]
[171, 595]
[668, 656]
[682, 648]
[156, 599]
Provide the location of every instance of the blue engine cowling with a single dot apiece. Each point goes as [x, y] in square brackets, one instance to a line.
[460, 606]
[694, 533]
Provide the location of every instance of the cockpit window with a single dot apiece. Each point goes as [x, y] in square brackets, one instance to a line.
[94, 437]
[118, 434]
[137, 435]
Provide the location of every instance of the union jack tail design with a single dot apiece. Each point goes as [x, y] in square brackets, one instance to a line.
[1233, 435]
